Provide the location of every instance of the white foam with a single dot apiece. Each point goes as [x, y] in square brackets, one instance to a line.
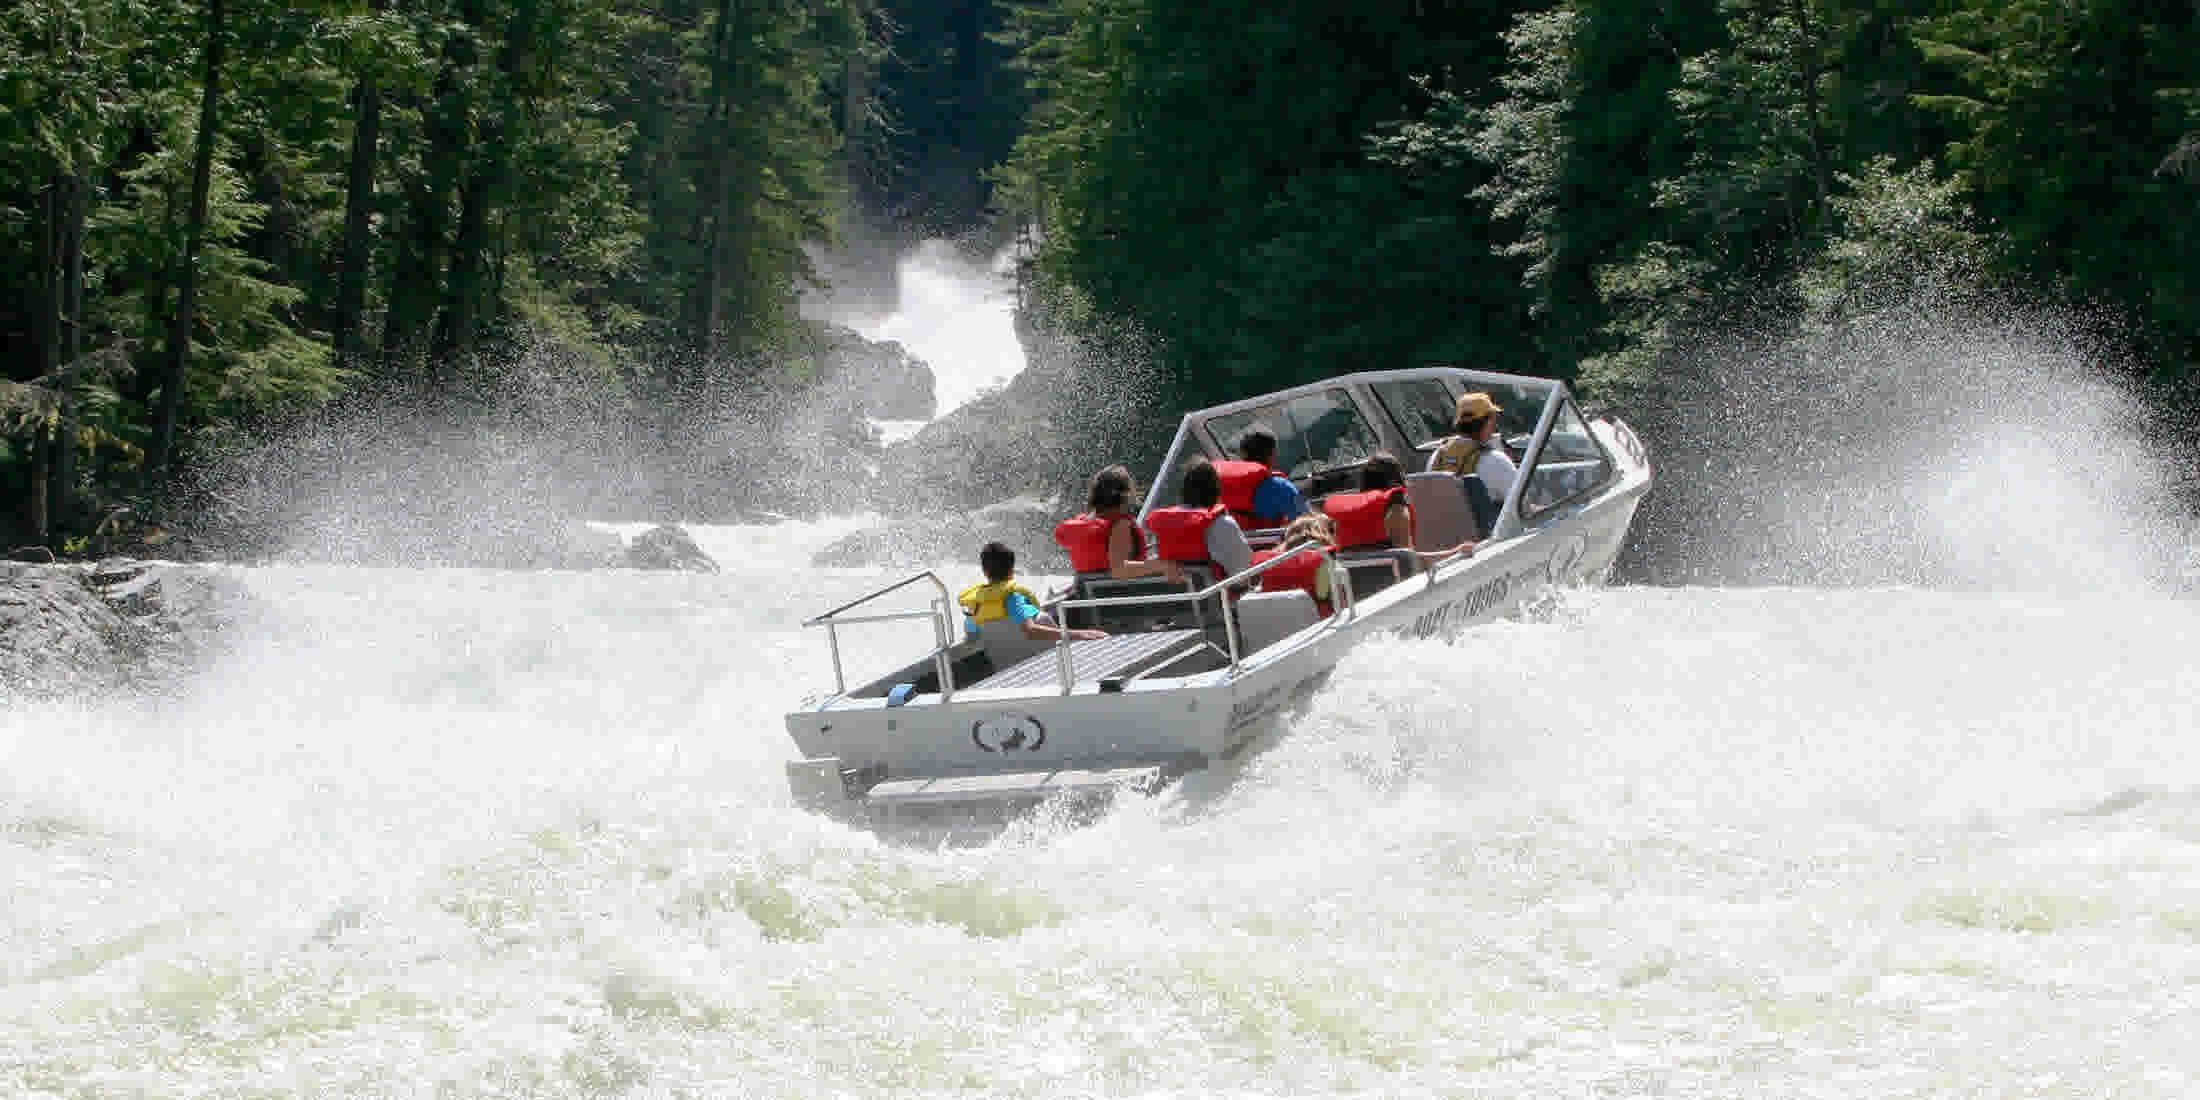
[526, 834]
[956, 314]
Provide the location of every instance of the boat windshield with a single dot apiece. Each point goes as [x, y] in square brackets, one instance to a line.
[1314, 431]
[1325, 432]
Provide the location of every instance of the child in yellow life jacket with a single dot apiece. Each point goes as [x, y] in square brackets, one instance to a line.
[1000, 597]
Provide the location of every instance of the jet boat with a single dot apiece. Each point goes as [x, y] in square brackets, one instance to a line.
[987, 725]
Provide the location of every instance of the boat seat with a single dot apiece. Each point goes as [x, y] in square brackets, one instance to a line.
[1374, 570]
[1005, 643]
[1265, 618]
[1442, 518]
[1125, 620]
[1160, 615]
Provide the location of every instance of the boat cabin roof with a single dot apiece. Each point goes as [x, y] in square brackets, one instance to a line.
[1325, 431]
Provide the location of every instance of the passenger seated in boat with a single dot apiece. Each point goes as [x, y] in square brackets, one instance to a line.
[1200, 530]
[1001, 599]
[1106, 540]
[1378, 517]
[1305, 568]
[1257, 494]
[1475, 450]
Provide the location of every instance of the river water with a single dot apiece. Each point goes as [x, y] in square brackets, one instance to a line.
[456, 834]
[483, 834]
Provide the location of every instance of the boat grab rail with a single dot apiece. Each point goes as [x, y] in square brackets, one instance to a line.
[832, 621]
[1340, 588]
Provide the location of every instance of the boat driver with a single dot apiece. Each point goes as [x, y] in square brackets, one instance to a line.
[1475, 450]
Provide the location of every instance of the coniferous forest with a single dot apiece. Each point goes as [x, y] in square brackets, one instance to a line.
[220, 219]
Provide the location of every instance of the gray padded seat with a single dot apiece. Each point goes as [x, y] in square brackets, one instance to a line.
[1441, 516]
[1265, 618]
[1005, 643]
[1374, 570]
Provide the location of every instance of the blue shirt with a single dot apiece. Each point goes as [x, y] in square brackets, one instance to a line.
[1020, 610]
[1275, 498]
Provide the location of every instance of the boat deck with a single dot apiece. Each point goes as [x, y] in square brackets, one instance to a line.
[1114, 657]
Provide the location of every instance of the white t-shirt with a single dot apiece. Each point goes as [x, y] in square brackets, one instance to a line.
[1492, 465]
[1497, 472]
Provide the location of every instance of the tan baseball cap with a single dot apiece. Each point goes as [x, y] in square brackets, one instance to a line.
[1475, 406]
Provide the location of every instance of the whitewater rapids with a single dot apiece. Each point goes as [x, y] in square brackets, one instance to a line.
[475, 834]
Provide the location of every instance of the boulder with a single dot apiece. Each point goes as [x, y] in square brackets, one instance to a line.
[666, 546]
[57, 636]
[880, 378]
[77, 630]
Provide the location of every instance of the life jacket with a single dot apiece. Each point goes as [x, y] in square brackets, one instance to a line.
[1086, 539]
[1239, 481]
[1359, 515]
[1294, 574]
[1458, 455]
[1180, 533]
[987, 602]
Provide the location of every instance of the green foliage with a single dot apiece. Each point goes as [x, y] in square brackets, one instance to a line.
[732, 157]
[1903, 236]
[617, 200]
[1206, 172]
[536, 174]
[2065, 113]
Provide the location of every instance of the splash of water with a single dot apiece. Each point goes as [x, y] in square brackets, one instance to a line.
[1920, 445]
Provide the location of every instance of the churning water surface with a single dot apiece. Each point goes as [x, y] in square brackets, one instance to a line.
[481, 834]
[453, 833]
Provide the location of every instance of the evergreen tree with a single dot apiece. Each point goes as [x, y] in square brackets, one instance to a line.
[2064, 112]
[1206, 171]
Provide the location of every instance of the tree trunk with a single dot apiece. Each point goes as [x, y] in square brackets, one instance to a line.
[69, 326]
[351, 266]
[472, 294]
[463, 305]
[418, 283]
[48, 327]
[194, 232]
[1812, 69]
[706, 314]
[41, 472]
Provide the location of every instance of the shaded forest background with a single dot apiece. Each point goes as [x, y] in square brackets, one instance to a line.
[225, 224]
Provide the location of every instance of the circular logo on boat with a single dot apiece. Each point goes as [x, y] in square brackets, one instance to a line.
[1568, 558]
[1008, 733]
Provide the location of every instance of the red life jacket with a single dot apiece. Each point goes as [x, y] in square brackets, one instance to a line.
[1359, 516]
[1295, 574]
[1180, 533]
[1239, 480]
[1086, 539]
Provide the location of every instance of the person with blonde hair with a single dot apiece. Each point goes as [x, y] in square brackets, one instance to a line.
[1304, 568]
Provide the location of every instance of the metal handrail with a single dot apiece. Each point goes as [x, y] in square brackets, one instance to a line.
[1340, 582]
[832, 622]
[894, 587]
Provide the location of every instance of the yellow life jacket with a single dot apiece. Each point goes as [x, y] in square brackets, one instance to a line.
[1458, 455]
[987, 602]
